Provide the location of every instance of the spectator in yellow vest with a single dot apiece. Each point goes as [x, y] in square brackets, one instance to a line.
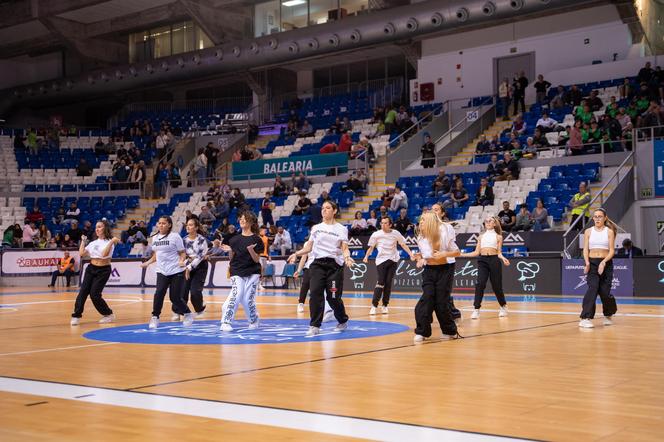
[579, 204]
[65, 268]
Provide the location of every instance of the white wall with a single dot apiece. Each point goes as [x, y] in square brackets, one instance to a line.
[25, 70]
[558, 43]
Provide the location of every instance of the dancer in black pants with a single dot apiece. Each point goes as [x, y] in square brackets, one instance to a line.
[328, 244]
[303, 270]
[439, 211]
[598, 251]
[489, 250]
[435, 248]
[170, 256]
[97, 273]
[196, 248]
[385, 240]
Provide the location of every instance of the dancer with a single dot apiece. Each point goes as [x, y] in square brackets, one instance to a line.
[435, 247]
[245, 272]
[168, 252]
[303, 270]
[385, 240]
[489, 249]
[97, 273]
[328, 244]
[437, 208]
[195, 272]
[598, 251]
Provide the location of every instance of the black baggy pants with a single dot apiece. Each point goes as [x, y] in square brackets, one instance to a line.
[175, 286]
[93, 283]
[327, 282]
[194, 286]
[435, 297]
[304, 288]
[599, 285]
[386, 271]
[490, 267]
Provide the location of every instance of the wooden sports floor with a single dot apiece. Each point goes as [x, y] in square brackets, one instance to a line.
[532, 375]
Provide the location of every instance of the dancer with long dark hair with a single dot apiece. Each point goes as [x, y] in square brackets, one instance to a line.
[303, 271]
[196, 266]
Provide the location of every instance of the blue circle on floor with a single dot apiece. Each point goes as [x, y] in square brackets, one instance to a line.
[271, 331]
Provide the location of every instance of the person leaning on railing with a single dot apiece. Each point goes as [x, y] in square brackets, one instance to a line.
[579, 204]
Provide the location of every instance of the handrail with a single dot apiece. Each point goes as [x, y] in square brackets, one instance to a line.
[416, 124]
[600, 196]
[462, 121]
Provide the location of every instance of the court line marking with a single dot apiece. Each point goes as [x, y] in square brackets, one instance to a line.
[60, 301]
[339, 425]
[56, 349]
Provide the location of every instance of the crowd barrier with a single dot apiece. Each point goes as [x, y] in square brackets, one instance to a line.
[641, 276]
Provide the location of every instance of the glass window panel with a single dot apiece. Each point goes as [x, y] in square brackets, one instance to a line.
[293, 14]
[178, 33]
[162, 41]
[266, 18]
[322, 11]
[353, 7]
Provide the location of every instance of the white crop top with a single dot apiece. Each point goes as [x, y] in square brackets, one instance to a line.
[95, 249]
[489, 239]
[599, 239]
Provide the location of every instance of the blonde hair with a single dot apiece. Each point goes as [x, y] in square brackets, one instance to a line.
[496, 224]
[430, 229]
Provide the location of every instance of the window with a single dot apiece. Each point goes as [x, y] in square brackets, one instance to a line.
[167, 40]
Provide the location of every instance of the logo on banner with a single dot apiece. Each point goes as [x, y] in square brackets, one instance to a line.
[408, 275]
[660, 267]
[115, 275]
[358, 270]
[355, 243]
[528, 270]
[37, 262]
[514, 239]
[411, 241]
[466, 275]
[472, 240]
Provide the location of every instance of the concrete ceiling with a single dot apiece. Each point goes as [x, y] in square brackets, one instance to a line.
[111, 9]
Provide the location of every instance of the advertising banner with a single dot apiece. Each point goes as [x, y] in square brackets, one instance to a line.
[574, 280]
[309, 164]
[21, 262]
[658, 162]
[123, 273]
[649, 276]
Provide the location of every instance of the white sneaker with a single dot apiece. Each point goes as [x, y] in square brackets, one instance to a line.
[300, 308]
[341, 327]
[313, 331]
[154, 323]
[107, 319]
[226, 328]
[586, 323]
[75, 321]
[188, 319]
[457, 321]
[175, 317]
[608, 320]
[372, 311]
[449, 337]
[384, 310]
[328, 316]
[476, 314]
[254, 325]
[419, 338]
[503, 311]
[260, 287]
[200, 314]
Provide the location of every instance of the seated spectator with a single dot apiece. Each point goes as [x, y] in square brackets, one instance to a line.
[282, 242]
[300, 183]
[540, 217]
[493, 169]
[346, 125]
[442, 185]
[68, 242]
[558, 100]
[134, 234]
[280, 188]
[212, 193]
[324, 196]
[206, 217]
[594, 102]
[387, 197]
[237, 200]
[583, 113]
[509, 168]
[428, 151]
[358, 181]
[539, 139]
[359, 225]
[221, 208]
[74, 233]
[230, 233]
[345, 143]
[100, 147]
[329, 148]
[302, 204]
[507, 217]
[623, 118]
[121, 175]
[541, 86]
[403, 224]
[30, 235]
[519, 125]
[36, 216]
[83, 168]
[574, 96]
[546, 124]
[484, 195]
[335, 128]
[459, 196]
[291, 130]
[529, 150]
[524, 220]
[215, 250]
[266, 210]
[65, 268]
[307, 130]
[628, 250]
[88, 231]
[372, 222]
[399, 199]
[483, 145]
[44, 236]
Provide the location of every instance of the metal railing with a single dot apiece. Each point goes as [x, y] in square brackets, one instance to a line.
[436, 112]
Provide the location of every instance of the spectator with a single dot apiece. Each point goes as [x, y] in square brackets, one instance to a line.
[509, 169]
[390, 119]
[345, 143]
[628, 250]
[645, 73]
[441, 185]
[403, 224]
[200, 167]
[335, 128]
[74, 233]
[324, 196]
[387, 197]
[206, 217]
[222, 209]
[575, 142]
[121, 175]
[32, 142]
[44, 236]
[541, 86]
[482, 146]
[282, 242]
[211, 153]
[399, 200]
[507, 217]
[524, 220]
[280, 188]
[493, 169]
[291, 130]
[357, 182]
[130, 235]
[30, 233]
[540, 217]
[504, 94]
[315, 216]
[539, 139]
[372, 222]
[161, 179]
[301, 183]
[68, 242]
[519, 126]
[88, 231]
[484, 195]
[302, 205]
[459, 196]
[594, 102]
[230, 233]
[136, 176]
[35, 217]
[215, 250]
[161, 143]
[558, 100]
[65, 268]
[359, 225]
[519, 85]
[428, 150]
[83, 168]
[266, 209]
[546, 124]
[329, 148]
[579, 205]
[346, 125]
[307, 130]
[59, 216]
[573, 96]
[237, 199]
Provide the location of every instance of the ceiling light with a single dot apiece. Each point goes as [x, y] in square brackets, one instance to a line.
[290, 3]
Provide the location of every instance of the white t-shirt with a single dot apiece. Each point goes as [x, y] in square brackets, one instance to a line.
[386, 243]
[96, 247]
[451, 243]
[327, 239]
[447, 243]
[167, 249]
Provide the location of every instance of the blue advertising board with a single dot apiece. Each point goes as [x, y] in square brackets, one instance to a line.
[319, 164]
[658, 162]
